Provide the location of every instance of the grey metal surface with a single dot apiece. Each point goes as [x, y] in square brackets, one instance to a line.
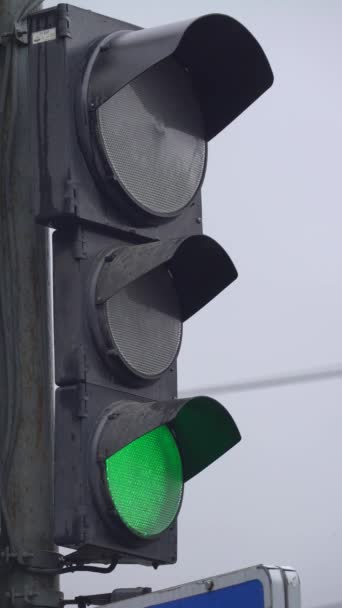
[281, 588]
[26, 388]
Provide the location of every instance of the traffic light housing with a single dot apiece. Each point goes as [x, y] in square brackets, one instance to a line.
[128, 508]
[120, 305]
[121, 150]
[116, 367]
[121, 119]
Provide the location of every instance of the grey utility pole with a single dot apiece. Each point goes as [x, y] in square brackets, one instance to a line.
[26, 388]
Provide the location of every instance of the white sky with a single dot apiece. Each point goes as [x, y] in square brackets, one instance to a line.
[272, 198]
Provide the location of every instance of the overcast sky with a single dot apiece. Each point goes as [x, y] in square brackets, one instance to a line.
[272, 198]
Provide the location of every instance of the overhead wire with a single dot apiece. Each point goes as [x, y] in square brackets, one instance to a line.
[265, 382]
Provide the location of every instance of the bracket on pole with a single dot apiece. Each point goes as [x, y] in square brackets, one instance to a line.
[21, 31]
[43, 599]
[82, 601]
[19, 34]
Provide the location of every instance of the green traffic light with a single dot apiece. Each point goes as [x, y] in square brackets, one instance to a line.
[145, 482]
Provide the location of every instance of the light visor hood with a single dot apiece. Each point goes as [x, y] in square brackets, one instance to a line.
[202, 427]
[199, 266]
[228, 68]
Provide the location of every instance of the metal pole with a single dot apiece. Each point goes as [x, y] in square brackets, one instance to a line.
[26, 385]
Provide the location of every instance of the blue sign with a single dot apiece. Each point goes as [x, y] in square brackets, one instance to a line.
[256, 587]
[249, 594]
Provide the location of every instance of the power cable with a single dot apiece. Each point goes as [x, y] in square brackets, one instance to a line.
[252, 384]
[74, 568]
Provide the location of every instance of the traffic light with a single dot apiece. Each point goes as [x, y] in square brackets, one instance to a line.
[121, 118]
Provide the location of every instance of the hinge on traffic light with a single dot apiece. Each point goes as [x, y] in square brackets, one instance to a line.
[70, 195]
[79, 246]
[63, 21]
[82, 411]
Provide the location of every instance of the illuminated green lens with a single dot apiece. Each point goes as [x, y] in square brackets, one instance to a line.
[145, 482]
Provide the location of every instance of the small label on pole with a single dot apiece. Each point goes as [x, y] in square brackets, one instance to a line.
[44, 35]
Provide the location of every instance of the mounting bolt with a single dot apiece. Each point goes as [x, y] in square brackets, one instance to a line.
[26, 556]
[110, 257]
[112, 416]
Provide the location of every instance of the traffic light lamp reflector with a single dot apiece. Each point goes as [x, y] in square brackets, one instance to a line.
[144, 323]
[152, 135]
[145, 482]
